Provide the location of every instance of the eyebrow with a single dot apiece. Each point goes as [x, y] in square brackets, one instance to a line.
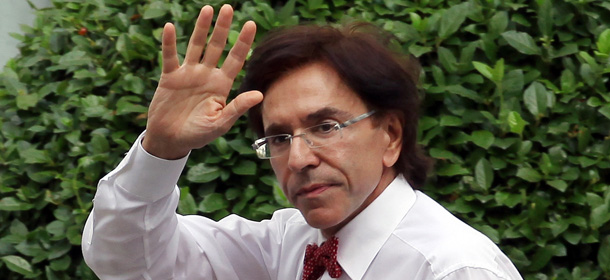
[318, 115]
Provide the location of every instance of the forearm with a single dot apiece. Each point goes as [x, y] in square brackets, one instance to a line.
[133, 225]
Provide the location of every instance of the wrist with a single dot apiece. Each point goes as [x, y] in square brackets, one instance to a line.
[163, 149]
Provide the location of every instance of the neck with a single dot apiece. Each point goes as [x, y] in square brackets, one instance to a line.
[388, 175]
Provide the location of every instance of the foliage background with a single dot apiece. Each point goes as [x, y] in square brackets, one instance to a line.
[516, 114]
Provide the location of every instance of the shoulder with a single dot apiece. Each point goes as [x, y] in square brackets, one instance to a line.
[279, 221]
[445, 243]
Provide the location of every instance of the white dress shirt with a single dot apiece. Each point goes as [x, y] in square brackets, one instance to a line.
[133, 232]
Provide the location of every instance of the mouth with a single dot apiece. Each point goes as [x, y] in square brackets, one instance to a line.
[313, 190]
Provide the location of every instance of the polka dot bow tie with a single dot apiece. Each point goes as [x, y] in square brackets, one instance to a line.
[318, 259]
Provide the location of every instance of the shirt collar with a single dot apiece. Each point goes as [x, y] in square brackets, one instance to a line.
[362, 238]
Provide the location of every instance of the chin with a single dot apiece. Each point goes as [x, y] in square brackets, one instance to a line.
[322, 218]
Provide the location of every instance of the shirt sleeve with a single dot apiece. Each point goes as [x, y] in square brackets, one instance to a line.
[133, 231]
[504, 271]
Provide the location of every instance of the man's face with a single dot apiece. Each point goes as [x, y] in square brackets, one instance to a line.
[330, 184]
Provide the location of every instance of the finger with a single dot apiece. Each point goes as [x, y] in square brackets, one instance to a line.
[168, 49]
[199, 36]
[239, 106]
[238, 54]
[219, 36]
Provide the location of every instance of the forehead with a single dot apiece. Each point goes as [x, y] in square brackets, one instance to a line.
[316, 87]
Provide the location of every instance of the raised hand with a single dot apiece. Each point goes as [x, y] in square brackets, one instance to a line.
[189, 108]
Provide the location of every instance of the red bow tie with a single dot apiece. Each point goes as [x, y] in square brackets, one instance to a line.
[318, 259]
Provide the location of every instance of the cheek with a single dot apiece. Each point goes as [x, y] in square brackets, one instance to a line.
[370, 149]
[278, 168]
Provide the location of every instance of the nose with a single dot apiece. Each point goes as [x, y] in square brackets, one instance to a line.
[301, 155]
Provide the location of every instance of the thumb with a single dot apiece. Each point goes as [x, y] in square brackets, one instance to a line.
[240, 105]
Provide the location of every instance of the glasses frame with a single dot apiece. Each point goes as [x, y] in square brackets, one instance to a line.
[261, 142]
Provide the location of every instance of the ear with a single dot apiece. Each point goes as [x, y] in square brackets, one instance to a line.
[392, 125]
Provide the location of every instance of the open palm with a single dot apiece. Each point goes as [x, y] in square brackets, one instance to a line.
[189, 108]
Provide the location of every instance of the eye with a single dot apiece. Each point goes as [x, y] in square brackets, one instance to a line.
[325, 128]
[279, 139]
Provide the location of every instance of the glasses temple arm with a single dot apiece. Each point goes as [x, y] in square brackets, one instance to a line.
[357, 119]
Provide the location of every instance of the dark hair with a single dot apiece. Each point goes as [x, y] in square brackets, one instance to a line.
[384, 80]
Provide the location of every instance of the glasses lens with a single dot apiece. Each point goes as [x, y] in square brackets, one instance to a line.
[272, 146]
[315, 136]
[323, 134]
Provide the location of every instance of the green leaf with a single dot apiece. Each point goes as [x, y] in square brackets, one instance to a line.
[518, 257]
[594, 101]
[541, 258]
[123, 46]
[417, 50]
[588, 74]
[74, 58]
[56, 228]
[513, 81]
[213, 202]
[441, 154]
[529, 174]
[32, 155]
[58, 250]
[558, 184]
[508, 199]
[11, 81]
[545, 18]
[201, 173]
[462, 91]
[125, 105]
[603, 42]
[483, 138]
[280, 197]
[522, 42]
[516, 123]
[452, 170]
[187, 205]
[155, 10]
[241, 147]
[447, 120]
[600, 215]
[245, 167]
[447, 59]
[18, 264]
[25, 101]
[586, 162]
[99, 144]
[286, 11]
[18, 228]
[498, 71]
[426, 123]
[267, 208]
[12, 204]
[536, 99]
[497, 24]
[484, 69]
[133, 83]
[490, 232]
[95, 107]
[603, 255]
[568, 81]
[483, 174]
[221, 144]
[74, 235]
[452, 19]
[605, 111]
[61, 264]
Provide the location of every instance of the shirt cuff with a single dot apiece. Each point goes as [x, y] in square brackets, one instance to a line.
[148, 176]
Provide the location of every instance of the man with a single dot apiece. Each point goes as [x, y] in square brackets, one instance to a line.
[338, 123]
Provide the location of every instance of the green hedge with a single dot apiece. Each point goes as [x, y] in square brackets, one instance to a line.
[516, 114]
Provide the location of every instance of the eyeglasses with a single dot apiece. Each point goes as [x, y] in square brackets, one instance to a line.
[315, 136]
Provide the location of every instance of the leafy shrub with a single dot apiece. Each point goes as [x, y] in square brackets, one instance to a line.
[516, 114]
